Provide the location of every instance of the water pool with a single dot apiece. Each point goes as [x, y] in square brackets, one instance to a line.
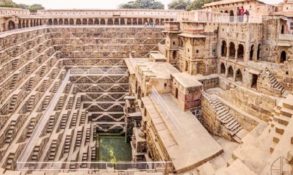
[113, 149]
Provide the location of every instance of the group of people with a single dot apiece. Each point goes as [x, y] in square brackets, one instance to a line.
[241, 12]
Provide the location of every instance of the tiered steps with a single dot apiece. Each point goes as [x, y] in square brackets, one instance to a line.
[281, 120]
[30, 103]
[28, 68]
[274, 82]
[31, 127]
[88, 135]
[53, 150]
[78, 103]
[73, 120]
[93, 155]
[42, 72]
[10, 162]
[82, 118]
[60, 103]
[13, 102]
[45, 102]
[78, 139]
[10, 132]
[70, 103]
[227, 119]
[51, 124]
[30, 84]
[14, 64]
[67, 144]
[35, 153]
[63, 121]
[13, 81]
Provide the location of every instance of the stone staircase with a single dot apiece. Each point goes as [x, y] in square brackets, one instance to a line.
[30, 84]
[53, 150]
[30, 103]
[14, 64]
[46, 102]
[13, 103]
[13, 81]
[227, 120]
[284, 114]
[35, 153]
[31, 127]
[274, 82]
[10, 132]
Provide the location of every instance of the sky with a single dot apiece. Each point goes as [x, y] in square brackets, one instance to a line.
[92, 4]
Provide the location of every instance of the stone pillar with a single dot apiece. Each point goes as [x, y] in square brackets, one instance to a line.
[290, 65]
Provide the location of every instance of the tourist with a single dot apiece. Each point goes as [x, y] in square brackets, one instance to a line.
[247, 15]
[238, 14]
[241, 11]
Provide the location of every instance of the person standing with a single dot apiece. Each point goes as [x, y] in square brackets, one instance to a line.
[241, 14]
[247, 15]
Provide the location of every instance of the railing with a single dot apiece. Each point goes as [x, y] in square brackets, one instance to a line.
[286, 37]
[207, 16]
[94, 166]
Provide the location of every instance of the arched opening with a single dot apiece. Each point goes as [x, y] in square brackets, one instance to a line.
[232, 50]
[238, 76]
[60, 21]
[283, 29]
[19, 24]
[84, 21]
[50, 22]
[186, 66]
[251, 52]
[174, 54]
[97, 21]
[139, 21]
[176, 93]
[66, 21]
[134, 21]
[91, 21]
[254, 81]
[128, 21]
[116, 21]
[230, 72]
[224, 49]
[103, 22]
[223, 69]
[139, 93]
[231, 14]
[71, 22]
[110, 21]
[258, 52]
[151, 21]
[157, 21]
[55, 21]
[240, 53]
[283, 57]
[78, 21]
[122, 21]
[11, 25]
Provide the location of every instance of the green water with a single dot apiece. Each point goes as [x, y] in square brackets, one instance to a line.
[114, 149]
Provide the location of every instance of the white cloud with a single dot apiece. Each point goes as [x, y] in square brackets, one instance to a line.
[90, 4]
